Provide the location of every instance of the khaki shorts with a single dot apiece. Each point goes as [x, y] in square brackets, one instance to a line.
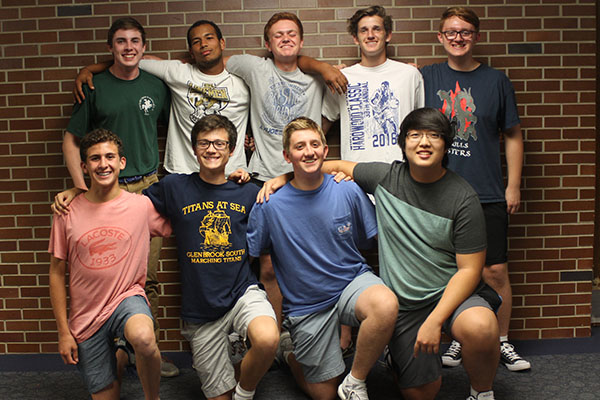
[210, 341]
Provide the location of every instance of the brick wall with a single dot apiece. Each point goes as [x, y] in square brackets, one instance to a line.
[547, 48]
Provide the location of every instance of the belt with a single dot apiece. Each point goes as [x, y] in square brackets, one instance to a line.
[136, 178]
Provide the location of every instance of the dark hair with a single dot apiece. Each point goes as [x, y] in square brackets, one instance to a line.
[429, 119]
[125, 23]
[369, 12]
[301, 124]
[464, 13]
[212, 122]
[279, 17]
[203, 22]
[99, 136]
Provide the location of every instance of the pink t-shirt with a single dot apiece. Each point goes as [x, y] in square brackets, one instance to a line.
[106, 246]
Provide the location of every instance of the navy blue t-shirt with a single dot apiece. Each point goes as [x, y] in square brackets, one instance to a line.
[483, 103]
[209, 222]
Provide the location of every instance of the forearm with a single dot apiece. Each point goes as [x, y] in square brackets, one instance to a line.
[513, 148]
[73, 160]
[309, 65]
[99, 67]
[58, 296]
[347, 167]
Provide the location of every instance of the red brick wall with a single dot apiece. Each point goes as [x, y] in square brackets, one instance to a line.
[547, 48]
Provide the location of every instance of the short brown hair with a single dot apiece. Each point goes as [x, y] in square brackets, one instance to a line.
[125, 23]
[212, 122]
[464, 13]
[283, 16]
[301, 124]
[99, 136]
[378, 11]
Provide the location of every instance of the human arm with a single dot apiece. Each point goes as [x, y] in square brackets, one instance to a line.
[67, 347]
[334, 166]
[460, 286]
[239, 176]
[272, 185]
[70, 147]
[333, 77]
[86, 75]
[63, 199]
[513, 148]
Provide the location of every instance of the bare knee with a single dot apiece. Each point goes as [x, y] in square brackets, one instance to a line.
[423, 392]
[264, 334]
[496, 276]
[141, 337]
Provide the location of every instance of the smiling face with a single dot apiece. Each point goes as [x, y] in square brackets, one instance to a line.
[424, 151]
[371, 37]
[127, 48]
[103, 164]
[206, 48]
[211, 159]
[285, 41]
[306, 152]
[458, 47]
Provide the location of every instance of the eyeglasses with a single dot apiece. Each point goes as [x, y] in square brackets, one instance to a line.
[217, 144]
[465, 34]
[417, 136]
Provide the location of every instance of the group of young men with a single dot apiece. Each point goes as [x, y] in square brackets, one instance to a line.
[429, 222]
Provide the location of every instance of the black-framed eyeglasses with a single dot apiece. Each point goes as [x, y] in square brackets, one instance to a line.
[217, 144]
[465, 34]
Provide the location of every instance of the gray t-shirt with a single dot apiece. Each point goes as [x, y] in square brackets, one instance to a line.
[277, 97]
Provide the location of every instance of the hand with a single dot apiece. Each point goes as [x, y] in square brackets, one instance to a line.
[249, 143]
[428, 338]
[414, 65]
[63, 199]
[340, 176]
[85, 76]
[67, 347]
[239, 176]
[270, 187]
[335, 80]
[513, 200]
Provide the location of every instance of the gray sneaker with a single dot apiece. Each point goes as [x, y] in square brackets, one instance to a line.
[167, 368]
[348, 391]
[453, 356]
[237, 348]
[285, 345]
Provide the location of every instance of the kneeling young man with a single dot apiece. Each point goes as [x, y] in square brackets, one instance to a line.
[219, 293]
[431, 253]
[313, 228]
[105, 240]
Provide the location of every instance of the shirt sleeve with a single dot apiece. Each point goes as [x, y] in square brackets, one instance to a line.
[364, 216]
[156, 194]
[159, 225]
[258, 236]
[157, 68]
[57, 245]
[469, 227]
[244, 65]
[368, 175]
[510, 114]
[331, 107]
[81, 117]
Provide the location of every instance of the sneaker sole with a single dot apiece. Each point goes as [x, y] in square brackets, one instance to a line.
[450, 362]
[517, 367]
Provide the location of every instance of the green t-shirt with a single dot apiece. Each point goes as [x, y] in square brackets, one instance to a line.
[131, 109]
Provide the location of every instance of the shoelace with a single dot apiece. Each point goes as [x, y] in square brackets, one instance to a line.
[509, 352]
[454, 349]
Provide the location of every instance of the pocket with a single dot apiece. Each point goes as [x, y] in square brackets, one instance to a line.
[342, 227]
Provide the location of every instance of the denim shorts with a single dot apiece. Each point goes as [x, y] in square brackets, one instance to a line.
[97, 361]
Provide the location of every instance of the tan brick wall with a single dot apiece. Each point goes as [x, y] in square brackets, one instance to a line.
[547, 48]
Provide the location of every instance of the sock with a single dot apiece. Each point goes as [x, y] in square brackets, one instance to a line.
[243, 394]
[503, 338]
[487, 395]
[354, 381]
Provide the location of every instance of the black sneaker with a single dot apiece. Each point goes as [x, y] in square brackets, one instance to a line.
[453, 356]
[512, 360]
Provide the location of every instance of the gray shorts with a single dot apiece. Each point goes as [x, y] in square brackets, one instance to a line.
[97, 361]
[210, 341]
[316, 336]
[425, 368]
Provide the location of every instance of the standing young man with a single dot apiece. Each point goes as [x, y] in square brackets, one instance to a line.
[105, 242]
[431, 253]
[129, 102]
[314, 228]
[219, 293]
[481, 100]
[380, 93]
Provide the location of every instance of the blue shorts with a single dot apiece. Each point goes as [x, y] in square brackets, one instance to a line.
[97, 361]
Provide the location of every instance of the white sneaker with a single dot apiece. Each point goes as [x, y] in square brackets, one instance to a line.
[348, 391]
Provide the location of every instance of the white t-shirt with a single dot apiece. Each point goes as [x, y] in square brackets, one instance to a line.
[193, 95]
[377, 100]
